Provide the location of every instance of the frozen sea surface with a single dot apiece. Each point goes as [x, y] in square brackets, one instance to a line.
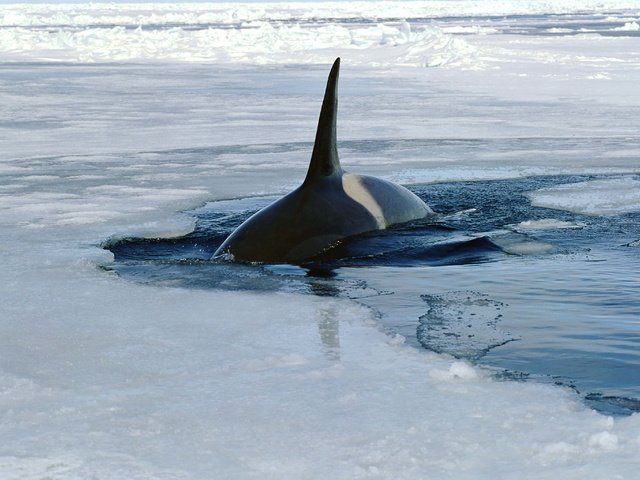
[490, 270]
[118, 121]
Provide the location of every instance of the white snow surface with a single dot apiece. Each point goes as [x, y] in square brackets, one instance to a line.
[597, 197]
[226, 33]
[369, 32]
[545, 224]
[206, 13]
[109, 379]
[258, 43]
[630, 27]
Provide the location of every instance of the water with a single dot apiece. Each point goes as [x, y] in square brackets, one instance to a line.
[528, 292]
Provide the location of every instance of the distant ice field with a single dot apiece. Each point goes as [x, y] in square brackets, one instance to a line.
[119, 121]
[415, 33]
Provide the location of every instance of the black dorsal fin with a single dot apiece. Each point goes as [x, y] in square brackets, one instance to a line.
[324, 159]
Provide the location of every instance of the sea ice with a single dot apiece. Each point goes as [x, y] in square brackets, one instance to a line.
[544, 224]
[629, 27]
[105, 378]
[597, 197]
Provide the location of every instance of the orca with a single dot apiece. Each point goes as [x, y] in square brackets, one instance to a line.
[330, 205]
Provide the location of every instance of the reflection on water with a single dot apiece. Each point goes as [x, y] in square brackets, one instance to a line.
[329, 330]
[529, 292]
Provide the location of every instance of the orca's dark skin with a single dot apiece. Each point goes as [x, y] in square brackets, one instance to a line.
[329, 206]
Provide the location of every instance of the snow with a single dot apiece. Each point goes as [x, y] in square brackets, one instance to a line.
[258, 42]
[233, 13]
[369, 33]
[105, 378]
[545, 224]
[597, 197]
[124, 380]
[629, 27]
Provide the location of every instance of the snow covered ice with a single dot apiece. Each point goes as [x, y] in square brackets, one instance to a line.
[116, 119]
[597, 197]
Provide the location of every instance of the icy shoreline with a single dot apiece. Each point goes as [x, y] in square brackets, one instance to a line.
[135, 383]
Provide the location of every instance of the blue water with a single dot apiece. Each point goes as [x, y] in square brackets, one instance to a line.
[567, 313]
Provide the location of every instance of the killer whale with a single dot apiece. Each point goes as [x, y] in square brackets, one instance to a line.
[328, 207]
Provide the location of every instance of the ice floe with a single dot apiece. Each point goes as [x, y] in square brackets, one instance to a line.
[597, 197]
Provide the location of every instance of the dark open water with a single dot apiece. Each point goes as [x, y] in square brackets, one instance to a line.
[557, 305]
